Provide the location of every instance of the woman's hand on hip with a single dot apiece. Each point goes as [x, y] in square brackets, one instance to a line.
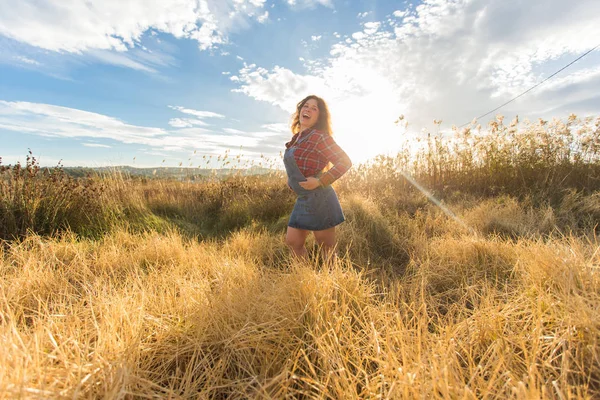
[310, 183]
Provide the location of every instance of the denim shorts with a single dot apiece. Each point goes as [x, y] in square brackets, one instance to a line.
[317, 210]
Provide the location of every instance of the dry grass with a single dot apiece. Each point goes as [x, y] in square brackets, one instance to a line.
[127, 288]
[156, 315]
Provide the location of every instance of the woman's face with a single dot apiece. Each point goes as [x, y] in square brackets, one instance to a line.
[309, 113]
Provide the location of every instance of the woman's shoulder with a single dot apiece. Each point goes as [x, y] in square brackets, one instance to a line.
[321, 134]
[289, 144]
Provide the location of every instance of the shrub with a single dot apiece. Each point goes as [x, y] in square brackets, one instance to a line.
[47, 200]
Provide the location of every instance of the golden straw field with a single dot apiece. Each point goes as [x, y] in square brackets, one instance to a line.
[467, 270]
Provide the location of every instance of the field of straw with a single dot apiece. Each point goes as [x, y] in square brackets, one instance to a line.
[470, 270]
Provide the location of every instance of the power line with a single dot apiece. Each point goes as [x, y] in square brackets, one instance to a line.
[536, 85]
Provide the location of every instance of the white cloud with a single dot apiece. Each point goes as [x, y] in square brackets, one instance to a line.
[446, 59]
[263, 18]
[199, 114]
[277, 127]
[186, 122]
[120, 59]
[159, 55]
[585, 76]
[315, 38]
[149, 57]
[280, 86]
[358, 35]
[371, 27]
[233, 131]
[26, 60]
[77, 26]
[191, 122]
[310, 3]
[51, 121]
[97, 145]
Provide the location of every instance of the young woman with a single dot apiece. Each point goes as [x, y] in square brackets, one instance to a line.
[311, 149]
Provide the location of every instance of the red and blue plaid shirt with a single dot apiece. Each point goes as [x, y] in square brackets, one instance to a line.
[314, 153]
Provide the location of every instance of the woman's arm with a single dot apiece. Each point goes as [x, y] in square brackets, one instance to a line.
[332, 152]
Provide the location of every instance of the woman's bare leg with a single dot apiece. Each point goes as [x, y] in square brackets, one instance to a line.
[326, 240]
[295, 239]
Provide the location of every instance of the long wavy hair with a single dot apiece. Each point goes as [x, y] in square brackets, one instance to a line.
[323, 123]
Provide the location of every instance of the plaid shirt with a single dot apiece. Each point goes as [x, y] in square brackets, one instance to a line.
[314, 153]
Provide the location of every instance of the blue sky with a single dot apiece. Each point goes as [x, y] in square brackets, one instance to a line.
[134, 82]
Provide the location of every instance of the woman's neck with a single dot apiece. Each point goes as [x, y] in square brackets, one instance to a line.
[303, 128]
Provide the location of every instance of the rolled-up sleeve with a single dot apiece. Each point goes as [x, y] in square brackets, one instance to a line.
[333, 153]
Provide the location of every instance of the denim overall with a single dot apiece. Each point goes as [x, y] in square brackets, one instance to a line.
[317, 209]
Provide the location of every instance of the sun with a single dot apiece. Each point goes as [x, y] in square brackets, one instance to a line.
[365, 127]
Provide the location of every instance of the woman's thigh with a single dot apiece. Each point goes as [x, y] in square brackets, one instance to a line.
[295, 237]
[326, 237]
